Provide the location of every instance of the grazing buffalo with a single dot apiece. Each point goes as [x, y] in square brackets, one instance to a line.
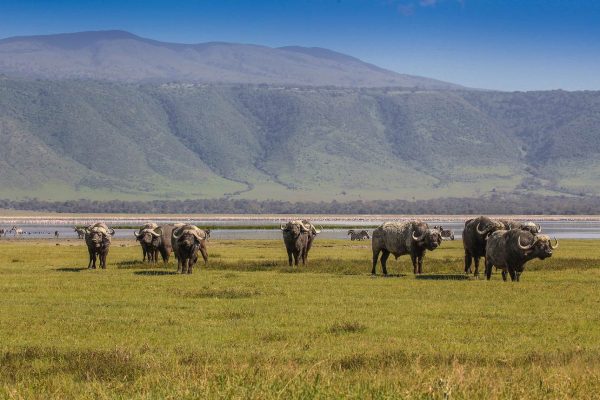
[355, 235]
[146, 235]
[447, 234]
[413, 237]
[186, 241]
[510, 250]
[98, 238]
[298, 237]
[80, 232]
[474, 239]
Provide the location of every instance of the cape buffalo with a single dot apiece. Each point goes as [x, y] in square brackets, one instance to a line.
[186, 241]
[524, 226]
[413, 237]
[355, 235]
[146, 236]
[298, 237]
[162, 242]
[98, 238]
[510, 250]
[474, 239]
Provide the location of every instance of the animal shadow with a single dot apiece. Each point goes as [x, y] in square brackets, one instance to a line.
[389, 276]
[155, 273]
[71, 269]
[442, 277]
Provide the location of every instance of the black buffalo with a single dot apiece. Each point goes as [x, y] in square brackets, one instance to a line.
[147, 236]
[98, 238]
[524, 226]
[510, 250]
[413, 237]
[186, 241]
[298, 237]
[474, 239]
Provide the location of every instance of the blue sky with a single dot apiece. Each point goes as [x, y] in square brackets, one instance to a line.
[505, 45]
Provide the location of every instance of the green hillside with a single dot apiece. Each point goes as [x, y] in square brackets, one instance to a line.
[85, 139]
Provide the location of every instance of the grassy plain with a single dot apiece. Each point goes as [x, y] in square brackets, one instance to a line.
[248, 326]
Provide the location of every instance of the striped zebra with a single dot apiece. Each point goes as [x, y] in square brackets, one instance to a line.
[80, 232]
[447, 234]
[358, 235]
[17, 231]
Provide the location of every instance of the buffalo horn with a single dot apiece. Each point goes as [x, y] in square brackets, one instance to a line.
[524, 247]
[175, 235]
[418, 239]
[483, 232]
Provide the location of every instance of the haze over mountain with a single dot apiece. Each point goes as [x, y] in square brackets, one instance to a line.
[72, 139]
[122, 56]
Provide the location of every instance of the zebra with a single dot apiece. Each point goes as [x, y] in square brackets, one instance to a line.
[447, 234]
[354, 235]
[17, 231]
[80, 233]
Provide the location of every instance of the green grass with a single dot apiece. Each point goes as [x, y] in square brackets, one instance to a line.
[249, 326]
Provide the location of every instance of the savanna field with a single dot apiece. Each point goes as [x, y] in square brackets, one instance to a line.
[248, 326]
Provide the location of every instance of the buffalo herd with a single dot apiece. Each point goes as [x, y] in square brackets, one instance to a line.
[504, 244]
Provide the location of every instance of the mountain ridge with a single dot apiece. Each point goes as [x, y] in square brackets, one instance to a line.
[123, 56]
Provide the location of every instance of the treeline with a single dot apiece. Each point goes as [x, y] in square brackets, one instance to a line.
[497, 204]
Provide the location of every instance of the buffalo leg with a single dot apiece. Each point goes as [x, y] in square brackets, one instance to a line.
[420, 264]
[103, 260]
[204, 255]
[468, 262]
[476, 273]
[375, 257]
[504, 275]
[190, 264]
[488, 269]
[91, 258]
[414, 263]
[165, 255]
[384, 258]
[513, 274]
[290, 258]
[179, 265]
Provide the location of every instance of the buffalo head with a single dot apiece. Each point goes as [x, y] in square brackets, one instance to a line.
[429, 238]
[539, 246]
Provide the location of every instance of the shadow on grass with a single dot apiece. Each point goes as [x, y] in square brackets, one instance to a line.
[71, 269]
[155, 273]
[137, 264]
[389, 276]
[442, 277]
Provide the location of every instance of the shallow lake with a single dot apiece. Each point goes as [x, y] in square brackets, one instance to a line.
[559, 229]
